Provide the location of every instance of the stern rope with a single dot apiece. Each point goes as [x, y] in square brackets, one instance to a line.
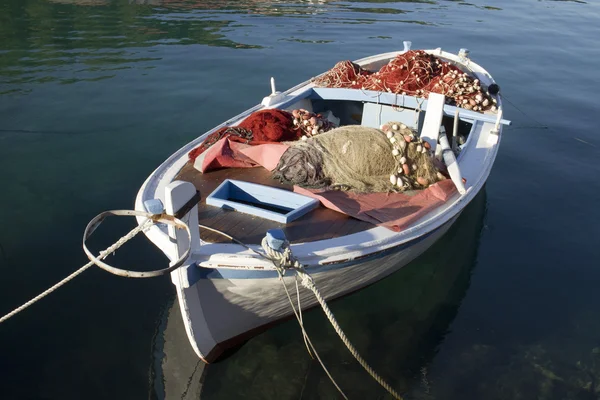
[286, 260]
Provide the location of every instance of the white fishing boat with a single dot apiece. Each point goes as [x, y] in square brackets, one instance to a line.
[228, 293]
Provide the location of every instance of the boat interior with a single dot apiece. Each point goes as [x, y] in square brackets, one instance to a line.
[319, 223]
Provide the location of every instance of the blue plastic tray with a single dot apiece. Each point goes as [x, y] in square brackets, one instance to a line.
[263, 201]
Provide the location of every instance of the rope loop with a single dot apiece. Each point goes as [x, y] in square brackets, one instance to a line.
[96, 260]
[151, 219]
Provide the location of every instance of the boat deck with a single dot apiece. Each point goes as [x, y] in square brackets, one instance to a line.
[321, 223]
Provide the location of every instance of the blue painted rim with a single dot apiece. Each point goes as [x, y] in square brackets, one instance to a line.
[230, 273]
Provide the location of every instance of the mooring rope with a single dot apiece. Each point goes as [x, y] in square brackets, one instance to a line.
[103, 254]
[307, 340]
[286, 260]
[297, 313]
[97, 260]
[281, 259]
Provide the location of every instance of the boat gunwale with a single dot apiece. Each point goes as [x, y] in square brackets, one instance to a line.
[236, 272]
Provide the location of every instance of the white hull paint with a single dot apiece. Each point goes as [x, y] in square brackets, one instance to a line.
[242, 305]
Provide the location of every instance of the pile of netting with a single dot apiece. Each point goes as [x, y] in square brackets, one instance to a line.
[268, 126]
[413, 73]
[233, 133]
[360, 159]
[418, 167]
[345, 74]
[311, 124]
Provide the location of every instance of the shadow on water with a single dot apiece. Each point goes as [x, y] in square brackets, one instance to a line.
[397, 324]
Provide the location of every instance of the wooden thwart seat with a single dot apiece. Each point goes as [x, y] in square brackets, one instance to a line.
[321, 223]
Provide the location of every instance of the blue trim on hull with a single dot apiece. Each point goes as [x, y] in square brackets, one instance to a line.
[232, 273]
[385, 98]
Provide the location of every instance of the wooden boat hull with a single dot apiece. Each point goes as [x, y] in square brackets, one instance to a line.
[242, 302]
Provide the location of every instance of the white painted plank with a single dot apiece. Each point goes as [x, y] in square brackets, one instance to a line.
[433, 119]
[177, 194]
[451, 164]
[374, 115]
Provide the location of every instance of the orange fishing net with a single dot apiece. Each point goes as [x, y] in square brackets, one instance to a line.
[413, 73]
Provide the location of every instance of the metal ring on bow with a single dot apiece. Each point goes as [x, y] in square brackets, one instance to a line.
[163, 218]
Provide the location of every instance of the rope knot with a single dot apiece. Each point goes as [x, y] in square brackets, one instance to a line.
[307, 280]
[283, 259]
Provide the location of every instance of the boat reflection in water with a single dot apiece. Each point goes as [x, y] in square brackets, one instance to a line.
[396, 324]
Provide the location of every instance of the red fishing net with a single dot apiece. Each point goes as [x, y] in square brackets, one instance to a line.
[414, 73]
[260, 127]
[271, 125]
[226, 131]
[345, 74]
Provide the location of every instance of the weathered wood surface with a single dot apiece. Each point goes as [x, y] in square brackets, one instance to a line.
[321, 223]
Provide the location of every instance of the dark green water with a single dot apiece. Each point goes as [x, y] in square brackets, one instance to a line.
[94, 94]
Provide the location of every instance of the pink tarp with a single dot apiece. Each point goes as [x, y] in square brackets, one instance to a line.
[228, 153]
[267, 155]
[394, 211]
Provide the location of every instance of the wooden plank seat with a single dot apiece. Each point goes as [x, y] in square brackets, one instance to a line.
[321, 223]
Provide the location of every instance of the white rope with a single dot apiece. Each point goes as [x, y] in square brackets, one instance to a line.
[298, 313]
[305, 334]
[286, 259]
[103, 254]
[308, 282]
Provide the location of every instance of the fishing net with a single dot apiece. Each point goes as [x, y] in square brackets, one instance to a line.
[235, 133]
[271, 125]
[303, 164]
[418, 168]
[345, 74]
[260, 127]
[311, 124]
[414, 73]
[359, 159]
